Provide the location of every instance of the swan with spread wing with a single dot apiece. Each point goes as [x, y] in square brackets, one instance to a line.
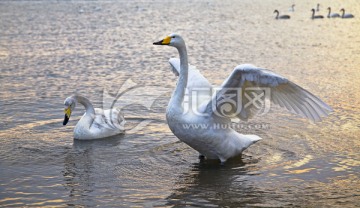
[224, 143]
[96, 123]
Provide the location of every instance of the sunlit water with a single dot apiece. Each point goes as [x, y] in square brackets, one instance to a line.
[101, 49]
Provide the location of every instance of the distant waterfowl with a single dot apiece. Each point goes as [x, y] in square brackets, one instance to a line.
[348, 15]
[281, 16]
[223, 143]
[95, 123]
[292, 8]
[313, 16]
[332, 15]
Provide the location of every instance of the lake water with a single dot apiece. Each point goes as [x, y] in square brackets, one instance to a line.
[103, 50]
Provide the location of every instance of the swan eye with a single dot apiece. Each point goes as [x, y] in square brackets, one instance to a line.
[173, 37]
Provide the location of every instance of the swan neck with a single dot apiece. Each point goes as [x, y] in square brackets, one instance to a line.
[179, 92]
[89, 116]
[184, 65]
[86, 103]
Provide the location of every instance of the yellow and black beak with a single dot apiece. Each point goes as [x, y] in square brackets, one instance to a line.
[165, 41]
[67, 112]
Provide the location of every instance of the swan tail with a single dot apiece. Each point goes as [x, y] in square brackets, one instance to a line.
[250, 140]
[253, 138]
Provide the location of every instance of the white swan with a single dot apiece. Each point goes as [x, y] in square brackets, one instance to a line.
[285, 16]
[95, 123]
[332, 15]
[346, 15]
[208, 128]
[313, 16]
[292, 8]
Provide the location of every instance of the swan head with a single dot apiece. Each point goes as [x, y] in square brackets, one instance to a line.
[70, 104]
[276, 11]
[173, 39]
[342, 10]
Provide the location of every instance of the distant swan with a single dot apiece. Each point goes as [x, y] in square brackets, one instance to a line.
[346, 15]
[95, 123]
[292, 8]
[215, 139]
[281, 16]
[332, 15]
[313, 16]
[318, 7]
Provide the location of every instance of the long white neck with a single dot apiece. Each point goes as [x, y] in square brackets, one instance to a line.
[89, 116]
[178, 95]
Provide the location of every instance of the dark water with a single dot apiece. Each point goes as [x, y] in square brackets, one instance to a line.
[103, 50]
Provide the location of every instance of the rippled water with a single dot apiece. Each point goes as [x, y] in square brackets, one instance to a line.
[103, 50]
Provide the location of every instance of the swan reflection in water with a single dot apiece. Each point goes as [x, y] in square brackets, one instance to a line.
[81, 169]
[208, 184]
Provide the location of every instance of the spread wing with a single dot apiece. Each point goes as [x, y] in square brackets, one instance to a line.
[195, 78]
[275, 89]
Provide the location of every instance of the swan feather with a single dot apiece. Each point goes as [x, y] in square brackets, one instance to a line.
[284, 93]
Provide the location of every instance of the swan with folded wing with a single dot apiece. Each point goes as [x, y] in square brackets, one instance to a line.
[332, 15]
[278, 16]
[225, 143]
[96, 123]
[313, 16]
[345, 15]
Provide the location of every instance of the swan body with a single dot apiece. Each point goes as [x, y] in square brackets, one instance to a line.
[345, 16]
[332, 15]
[207, 128]
[96, 123]
[285, 16]
[313, 16]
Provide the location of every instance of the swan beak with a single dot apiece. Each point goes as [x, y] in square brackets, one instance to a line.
[67, 112]
[165, 41]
